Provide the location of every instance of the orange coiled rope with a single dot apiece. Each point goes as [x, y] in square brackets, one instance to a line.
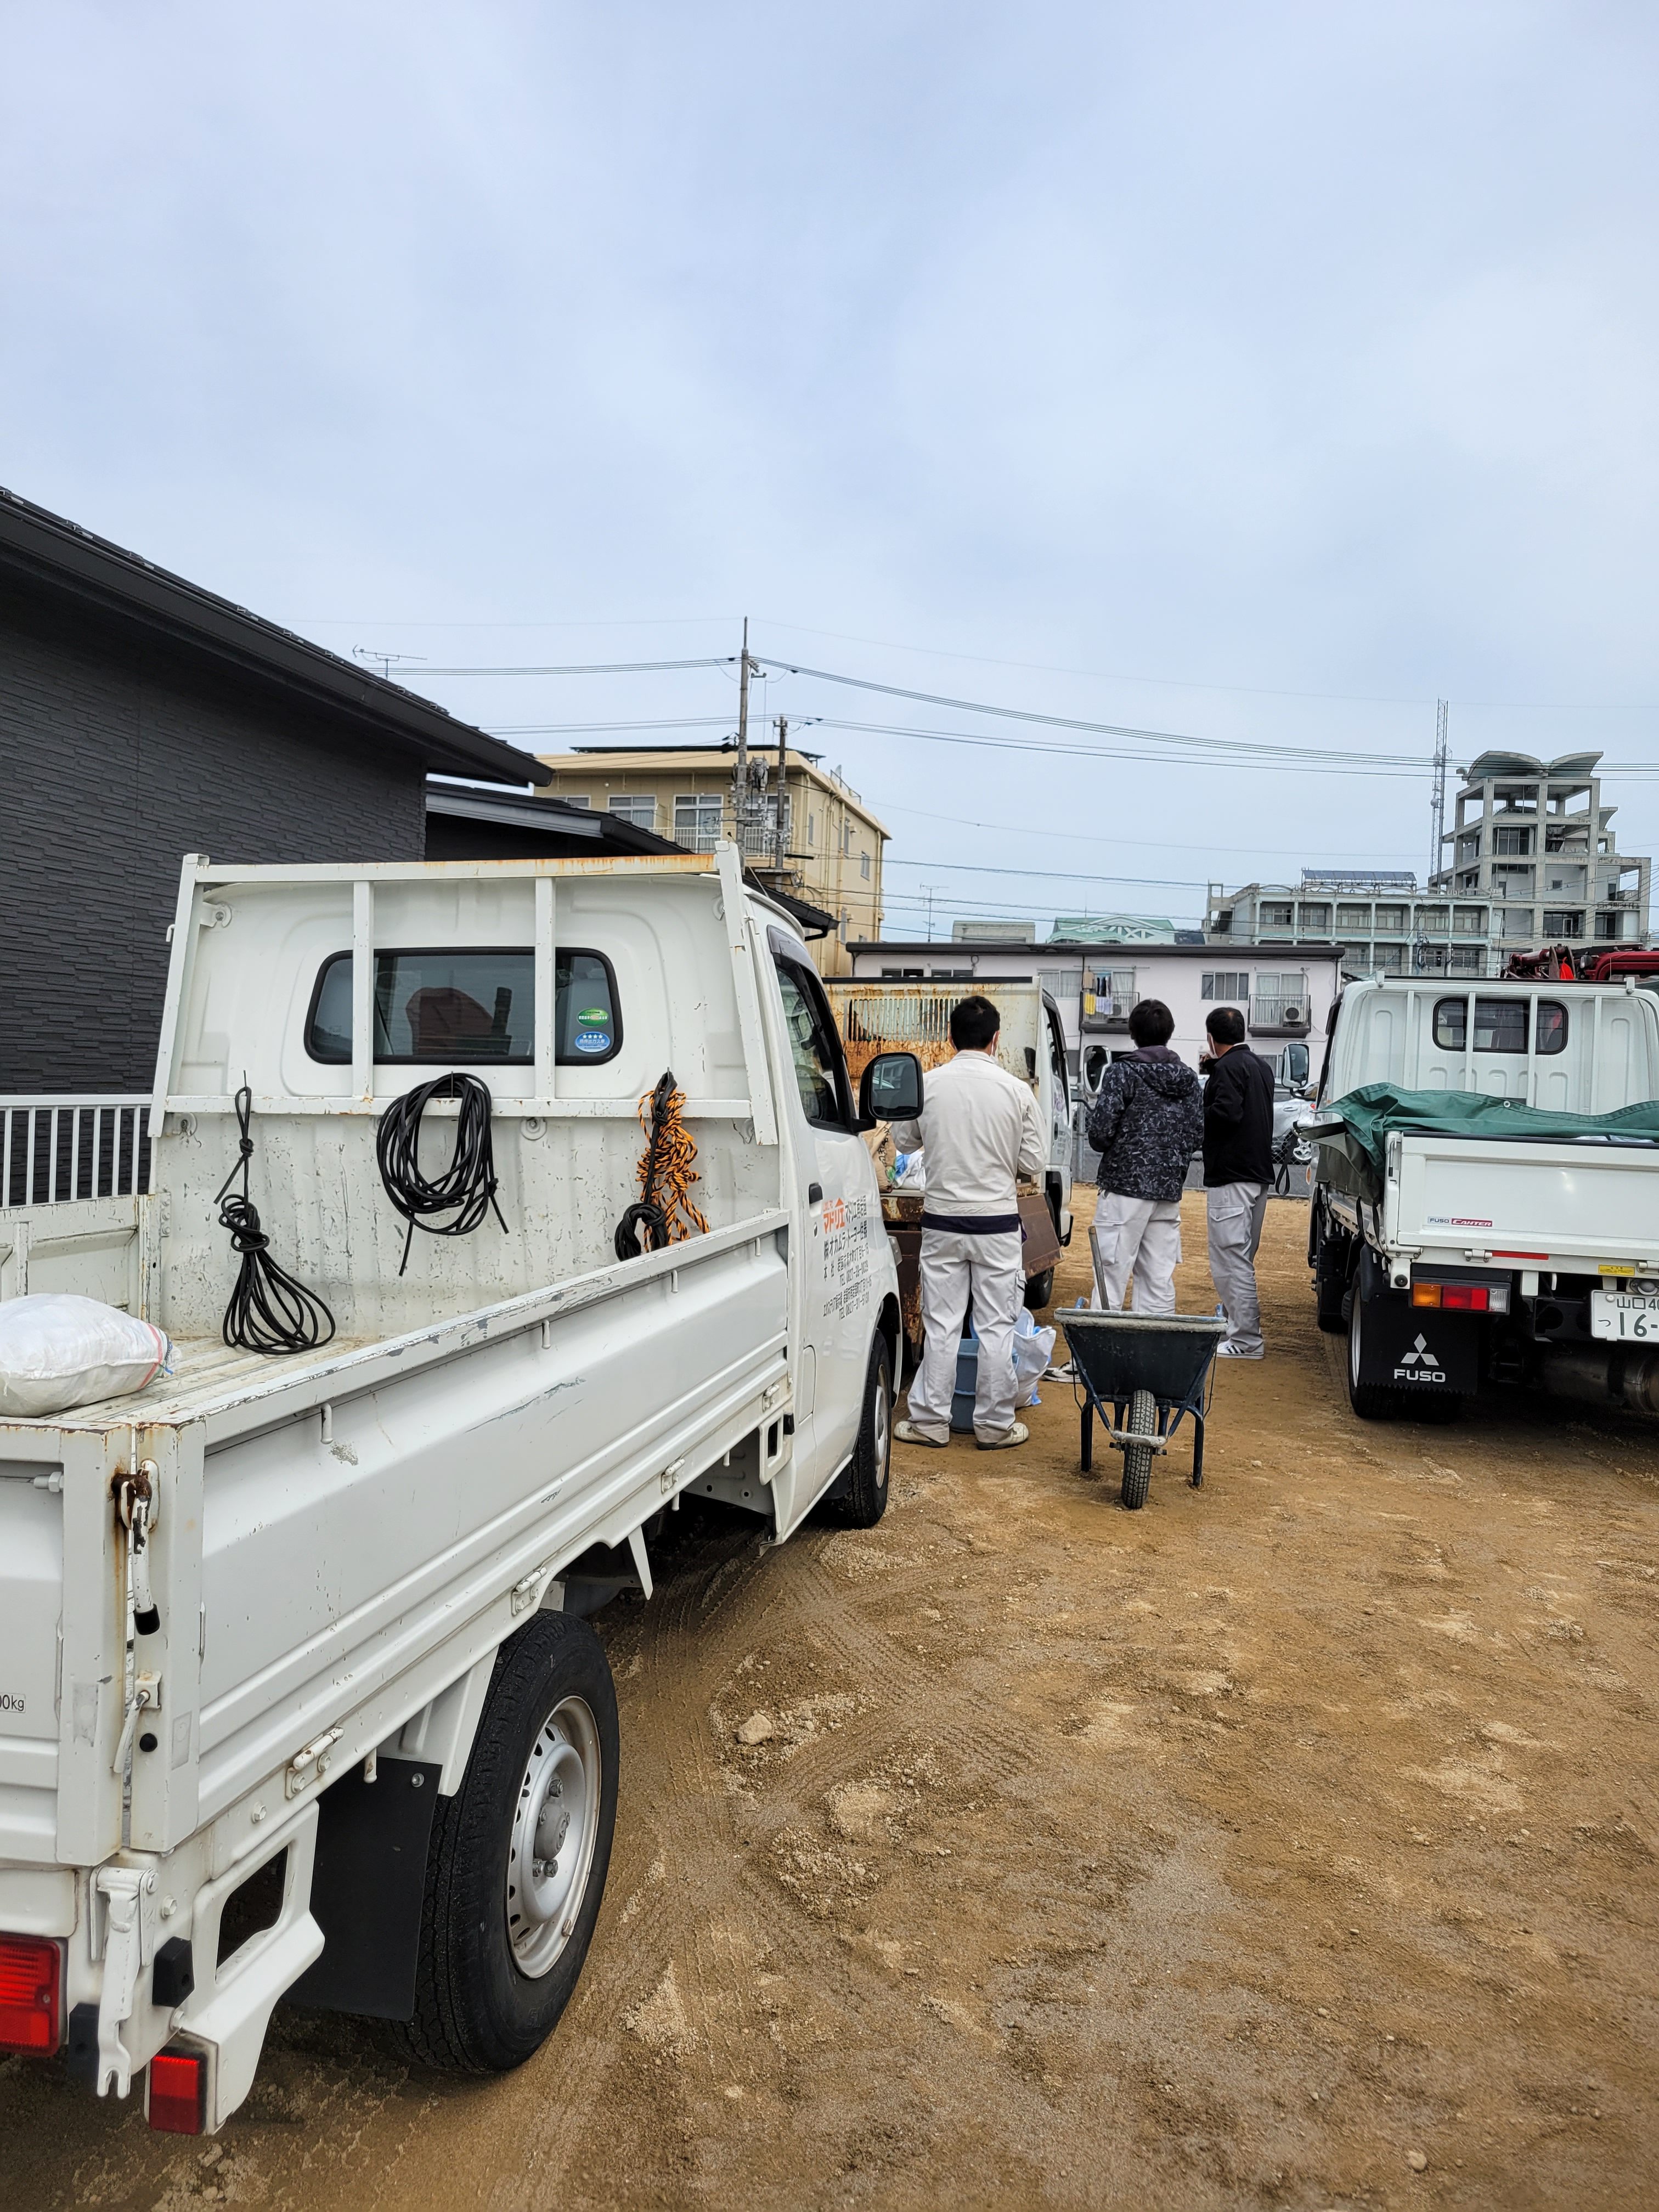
[663, 1214]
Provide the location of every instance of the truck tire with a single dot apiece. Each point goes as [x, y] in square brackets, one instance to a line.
[1138, 1458]
[1372, 1401]
[505, 1929]
[1040, 1290]
[1330, 1265]
[861, 1497]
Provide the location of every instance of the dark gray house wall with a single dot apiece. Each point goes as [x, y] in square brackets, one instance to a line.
[118, 756]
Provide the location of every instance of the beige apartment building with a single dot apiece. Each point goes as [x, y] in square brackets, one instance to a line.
[804, 831]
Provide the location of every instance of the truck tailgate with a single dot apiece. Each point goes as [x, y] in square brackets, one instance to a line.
[1568, 1205]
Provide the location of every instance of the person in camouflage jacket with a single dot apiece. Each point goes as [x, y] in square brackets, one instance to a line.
[1147, 1121]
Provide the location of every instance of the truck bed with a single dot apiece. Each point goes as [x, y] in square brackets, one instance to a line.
[1565, 1206]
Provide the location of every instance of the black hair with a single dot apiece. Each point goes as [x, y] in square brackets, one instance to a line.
[1225, 1024]
[1151, 1021]
[974, 1023]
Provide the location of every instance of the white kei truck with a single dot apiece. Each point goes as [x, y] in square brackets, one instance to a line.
[297, 1696]
[1474, 1244]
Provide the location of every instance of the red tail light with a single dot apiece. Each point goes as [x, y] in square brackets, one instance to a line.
[30, 1972]
[175, 2093]
[1465, 1297]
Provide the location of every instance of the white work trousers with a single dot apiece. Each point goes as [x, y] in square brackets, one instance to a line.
[1234, 1211]
[1138, 1237]
[993, 1270]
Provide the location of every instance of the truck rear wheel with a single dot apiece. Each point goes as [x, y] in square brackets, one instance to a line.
[861, 1499]
[1372, 1401]
[1040, 1290]
[519, 1856]
[1330, 1265]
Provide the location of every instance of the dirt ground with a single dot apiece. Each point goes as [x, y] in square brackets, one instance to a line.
[1291, 1843]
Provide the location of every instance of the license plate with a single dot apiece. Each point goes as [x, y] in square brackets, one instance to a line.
[1624, 1314]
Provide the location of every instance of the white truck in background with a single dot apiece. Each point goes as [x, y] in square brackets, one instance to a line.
[1477, 1255]
[355, 1744]
[894, 1015]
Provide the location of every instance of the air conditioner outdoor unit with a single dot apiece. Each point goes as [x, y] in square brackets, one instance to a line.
[1293, 1014]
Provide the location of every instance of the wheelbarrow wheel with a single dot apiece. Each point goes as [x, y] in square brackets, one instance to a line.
[1138, 1458]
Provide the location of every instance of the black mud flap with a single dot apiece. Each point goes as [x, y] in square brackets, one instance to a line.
[1410, 1348]
[367, 1890]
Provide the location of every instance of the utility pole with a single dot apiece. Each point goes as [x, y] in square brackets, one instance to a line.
[1438, 803]
[740, 789]
[779, 837]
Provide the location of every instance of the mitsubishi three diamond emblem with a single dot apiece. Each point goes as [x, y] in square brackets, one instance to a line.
[1420, 1365]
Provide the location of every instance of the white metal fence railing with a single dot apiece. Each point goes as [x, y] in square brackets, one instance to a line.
[55, 1148]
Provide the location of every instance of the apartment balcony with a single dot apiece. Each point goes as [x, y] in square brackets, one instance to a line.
[1105, 1014]
[757, 845]
[1280, 1017]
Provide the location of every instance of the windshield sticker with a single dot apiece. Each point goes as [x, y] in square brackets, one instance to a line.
[593, 1040]
[593, 1014]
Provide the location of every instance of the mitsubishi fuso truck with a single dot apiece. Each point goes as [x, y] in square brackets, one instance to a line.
[1486, 1201]
[297, 1695]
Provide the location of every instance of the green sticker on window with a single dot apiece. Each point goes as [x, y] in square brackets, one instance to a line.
[593, 1014]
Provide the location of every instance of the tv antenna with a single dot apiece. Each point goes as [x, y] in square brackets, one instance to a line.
[385, 662]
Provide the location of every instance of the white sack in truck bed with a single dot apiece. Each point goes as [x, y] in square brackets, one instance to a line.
[58, 1350]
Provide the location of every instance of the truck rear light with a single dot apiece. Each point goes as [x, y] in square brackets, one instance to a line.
[30, 1976]
[1463, 1298]
[176, 2092]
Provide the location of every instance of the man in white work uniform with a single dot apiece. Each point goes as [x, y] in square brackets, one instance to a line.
[978, 1130]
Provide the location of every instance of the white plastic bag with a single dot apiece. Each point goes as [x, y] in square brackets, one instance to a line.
[1034, 1348]
[909, 1171]
[58, 1350]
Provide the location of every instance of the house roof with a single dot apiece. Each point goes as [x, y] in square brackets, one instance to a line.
[46, 552]
[546, 817]
[554, 821]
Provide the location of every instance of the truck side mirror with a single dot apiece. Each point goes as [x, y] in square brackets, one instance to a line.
[890, 1089]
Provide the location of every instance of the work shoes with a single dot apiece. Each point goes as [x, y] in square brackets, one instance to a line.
[1006, 1441]
[907, 1432]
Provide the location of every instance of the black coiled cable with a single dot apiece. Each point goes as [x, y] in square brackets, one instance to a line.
[268, 1311]
[467, 1185]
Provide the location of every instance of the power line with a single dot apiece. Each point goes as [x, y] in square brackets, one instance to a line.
[1196, 748]
[1147, 844]
[1283, 758]
[1074, 722]
[592, 667]
[1048, 875]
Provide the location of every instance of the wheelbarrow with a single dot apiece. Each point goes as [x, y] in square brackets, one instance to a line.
[1155, 1369]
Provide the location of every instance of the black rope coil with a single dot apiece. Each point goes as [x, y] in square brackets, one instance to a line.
[466, 1188]
[268, 1310]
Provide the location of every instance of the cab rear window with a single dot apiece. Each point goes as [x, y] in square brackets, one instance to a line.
[470, 1005]
[1500, 1025]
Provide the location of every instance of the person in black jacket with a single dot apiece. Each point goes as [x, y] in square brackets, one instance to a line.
[1238, 1170]
[1145, 1123]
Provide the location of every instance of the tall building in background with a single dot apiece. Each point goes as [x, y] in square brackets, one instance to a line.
[805, 831]
[1382, 922]
[1533, 839]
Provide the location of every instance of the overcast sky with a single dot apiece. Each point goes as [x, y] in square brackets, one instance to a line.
[1247, 371]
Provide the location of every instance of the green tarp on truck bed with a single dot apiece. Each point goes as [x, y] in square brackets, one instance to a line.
[1353, 1155]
